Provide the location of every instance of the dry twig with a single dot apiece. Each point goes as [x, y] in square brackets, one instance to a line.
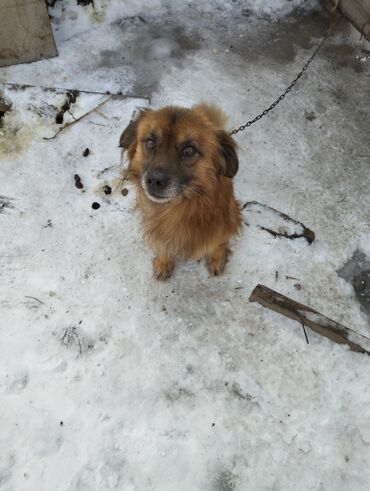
[34, 298]
[76, 120]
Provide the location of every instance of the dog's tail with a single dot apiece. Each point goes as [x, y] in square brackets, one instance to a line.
[212, 113]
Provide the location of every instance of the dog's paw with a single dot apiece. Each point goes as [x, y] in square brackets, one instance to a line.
[216, 267]
[216, 262]
[162, 268]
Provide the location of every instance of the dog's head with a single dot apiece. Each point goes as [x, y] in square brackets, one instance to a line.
[176, 152]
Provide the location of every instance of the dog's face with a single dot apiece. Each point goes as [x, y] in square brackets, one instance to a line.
[176, 152]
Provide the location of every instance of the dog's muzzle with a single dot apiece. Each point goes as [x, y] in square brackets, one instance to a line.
[158, 186]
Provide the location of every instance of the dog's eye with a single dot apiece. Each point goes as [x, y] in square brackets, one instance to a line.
[150, 143]
[188, 152]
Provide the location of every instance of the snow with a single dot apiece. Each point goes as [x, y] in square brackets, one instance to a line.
[111, 380]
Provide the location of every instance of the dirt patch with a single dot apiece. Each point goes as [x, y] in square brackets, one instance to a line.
[5, 203]
[149, 46]
[225, 481]
[310, 116]
[357, 272]
[5, 107]
[152, 45]
[281, 40]
[16, 140]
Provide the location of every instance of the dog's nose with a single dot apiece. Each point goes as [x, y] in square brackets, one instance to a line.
[157, 181]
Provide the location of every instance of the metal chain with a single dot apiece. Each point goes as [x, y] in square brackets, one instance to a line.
[281, 97]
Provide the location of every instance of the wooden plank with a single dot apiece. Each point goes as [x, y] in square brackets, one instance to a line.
[25, 32]
[356, 11]
[311, 318]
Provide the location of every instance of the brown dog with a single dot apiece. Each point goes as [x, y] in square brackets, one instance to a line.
[182, 161]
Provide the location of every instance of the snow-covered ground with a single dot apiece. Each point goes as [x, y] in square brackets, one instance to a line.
[111, 380]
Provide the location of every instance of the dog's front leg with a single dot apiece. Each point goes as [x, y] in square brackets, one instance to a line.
[163, 267]
[217, 258]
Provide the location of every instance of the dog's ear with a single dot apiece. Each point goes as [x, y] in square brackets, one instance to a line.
[128, 138]
[227, 153]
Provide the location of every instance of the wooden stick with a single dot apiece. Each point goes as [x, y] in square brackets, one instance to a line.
[310, 318]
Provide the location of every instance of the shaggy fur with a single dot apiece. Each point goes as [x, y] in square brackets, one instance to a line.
[182, 162]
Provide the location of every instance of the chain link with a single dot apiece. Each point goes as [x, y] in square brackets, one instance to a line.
[281, 97]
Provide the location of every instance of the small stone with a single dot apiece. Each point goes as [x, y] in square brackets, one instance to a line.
[107, 189]
[86, 152]
[95, 206]
[124, 192]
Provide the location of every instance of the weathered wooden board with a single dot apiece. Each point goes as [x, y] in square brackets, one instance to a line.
[356, 11]
[310, 318]
[25, 32]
